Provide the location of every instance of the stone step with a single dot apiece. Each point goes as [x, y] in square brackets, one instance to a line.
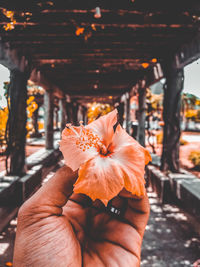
[181, 188]
[7, 213]
[15, 190]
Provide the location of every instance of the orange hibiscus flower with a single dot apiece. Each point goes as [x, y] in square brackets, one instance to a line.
[108, 160]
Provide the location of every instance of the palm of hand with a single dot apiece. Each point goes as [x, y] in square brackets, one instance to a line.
[80, 235]
[104, 239]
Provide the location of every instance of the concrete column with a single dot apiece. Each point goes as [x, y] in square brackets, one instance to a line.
[63, 114]
[120, 109]
[75, 107]
[141, 113]
[85, 119]
[17, 122]
[127, 112]
[56, 118]
[69, 112]
[49, 133]
[36, 132]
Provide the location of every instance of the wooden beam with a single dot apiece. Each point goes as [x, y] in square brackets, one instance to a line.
[142, 25]
[101, 39]
[188, 53]
[13, 58]
[40, 80]
[141, 5]
[112, 30]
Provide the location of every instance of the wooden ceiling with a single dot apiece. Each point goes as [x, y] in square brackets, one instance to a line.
[106, 60]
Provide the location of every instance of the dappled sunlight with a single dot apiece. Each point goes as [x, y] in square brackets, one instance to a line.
[152, 200]
[160, 219]
[177, 216]
[166, 241]
[7, 243]
[3, 248]
[170, 208]
[156, 208]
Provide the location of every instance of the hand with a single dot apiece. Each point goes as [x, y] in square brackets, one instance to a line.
[59, 228]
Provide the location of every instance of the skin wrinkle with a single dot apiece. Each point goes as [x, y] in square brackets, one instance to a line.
[113, 254]
[94, 257]
[134, 233]
[98, 254]
[137, 210]
[124, 248]
[56, 237]
[44, 230]
[119, 219]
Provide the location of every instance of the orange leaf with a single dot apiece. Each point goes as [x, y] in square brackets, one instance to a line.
[145, 65]
[9, 263]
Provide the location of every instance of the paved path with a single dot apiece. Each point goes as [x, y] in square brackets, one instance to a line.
[169, 239]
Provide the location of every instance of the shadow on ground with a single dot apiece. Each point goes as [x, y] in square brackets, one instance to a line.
[169, 240]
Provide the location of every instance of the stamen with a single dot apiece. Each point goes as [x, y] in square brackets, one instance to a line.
[86, 139]
[69, 126]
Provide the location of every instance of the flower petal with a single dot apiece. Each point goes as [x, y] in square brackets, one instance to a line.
[100, 178]
[132, 161]
[73, 155]
[103, 126]
[122, 138]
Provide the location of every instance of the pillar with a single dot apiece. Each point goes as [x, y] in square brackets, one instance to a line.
[75, 107]
[35, 122]
[36, 132]
[63, 114]
[69, 112]
[85, 119]
[171, 116]
[127, 114]
[16, 126]
[49, 107]
[120, 109]
[141, 113]
[56, 116]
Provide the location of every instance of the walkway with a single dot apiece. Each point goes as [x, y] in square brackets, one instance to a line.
[169, 239]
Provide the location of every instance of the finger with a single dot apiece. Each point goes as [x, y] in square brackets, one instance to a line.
[55, 192]
[132, 209]
[127, 194]
[137, 213]
[81, 199]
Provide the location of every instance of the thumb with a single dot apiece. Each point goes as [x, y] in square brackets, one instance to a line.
[53, 195]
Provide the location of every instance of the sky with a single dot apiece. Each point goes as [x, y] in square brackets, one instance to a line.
[192, 78]
[191, 82]
[4, 77]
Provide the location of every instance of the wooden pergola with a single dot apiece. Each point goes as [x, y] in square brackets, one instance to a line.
[97, 51]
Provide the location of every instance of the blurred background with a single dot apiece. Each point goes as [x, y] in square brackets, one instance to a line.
[70, 61]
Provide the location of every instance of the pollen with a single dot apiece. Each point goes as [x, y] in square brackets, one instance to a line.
[84, 138]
